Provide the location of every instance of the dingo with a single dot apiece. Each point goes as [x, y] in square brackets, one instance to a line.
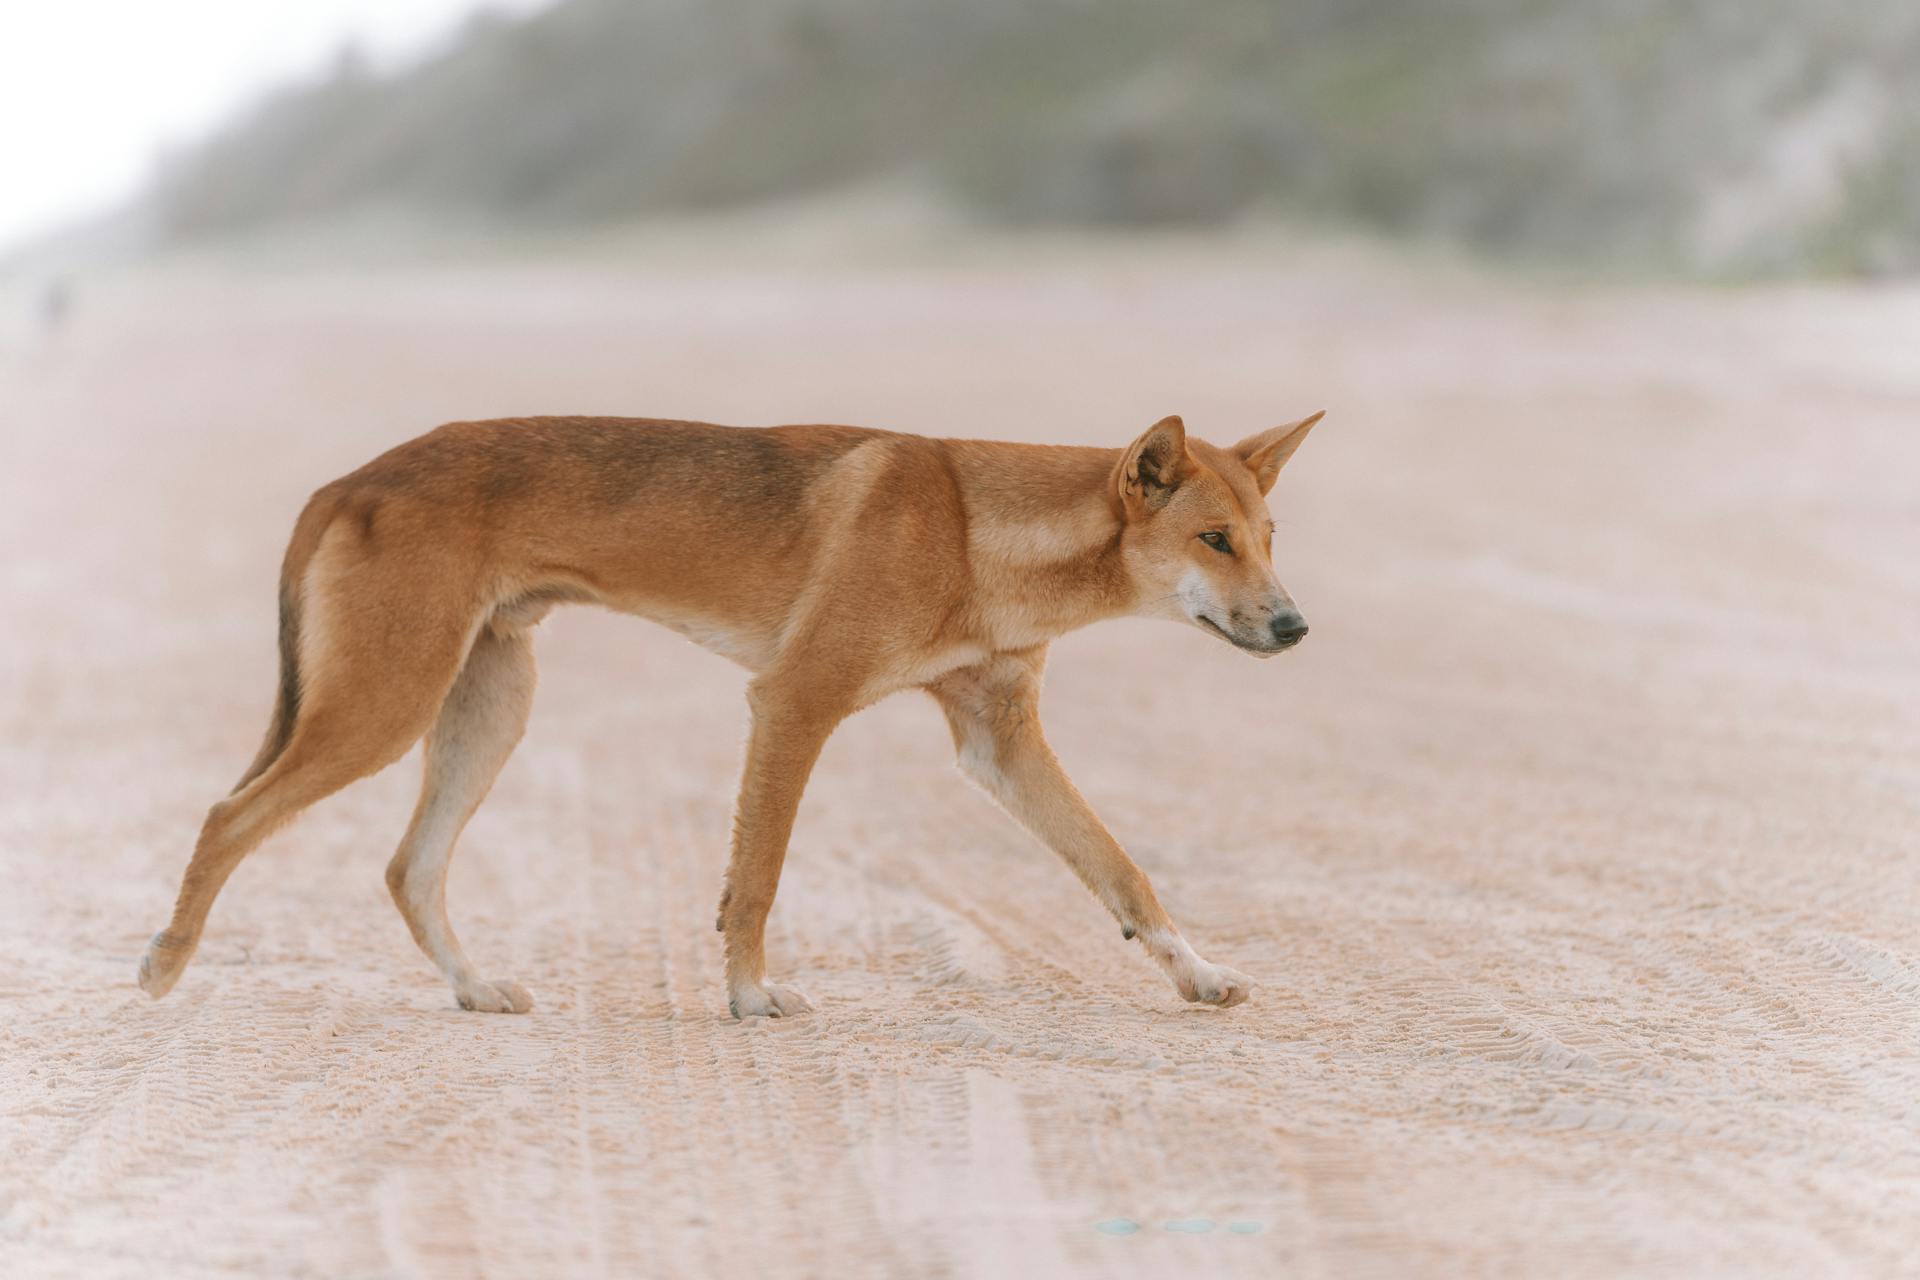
[836, 564]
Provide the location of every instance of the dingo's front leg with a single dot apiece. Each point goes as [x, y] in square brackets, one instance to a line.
[788, 732]
[994, 711]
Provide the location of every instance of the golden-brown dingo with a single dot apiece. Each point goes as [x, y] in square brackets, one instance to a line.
[836, 564]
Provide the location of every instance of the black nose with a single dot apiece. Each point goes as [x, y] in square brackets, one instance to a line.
[1289, 629]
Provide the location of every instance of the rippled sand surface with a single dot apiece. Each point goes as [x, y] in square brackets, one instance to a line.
[1575, 853]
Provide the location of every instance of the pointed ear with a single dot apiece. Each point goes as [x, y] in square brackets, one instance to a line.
[1154, 466]
[1268, 451]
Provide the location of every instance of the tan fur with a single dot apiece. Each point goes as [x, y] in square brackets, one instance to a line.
[837, 565]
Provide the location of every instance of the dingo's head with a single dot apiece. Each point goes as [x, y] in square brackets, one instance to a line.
[1198, 539]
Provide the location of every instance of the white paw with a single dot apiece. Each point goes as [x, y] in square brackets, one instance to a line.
[1217, 985]
[765, 1000]
[493, 997]
[160, 967]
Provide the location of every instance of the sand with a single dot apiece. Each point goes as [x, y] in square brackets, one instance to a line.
[1573, 853]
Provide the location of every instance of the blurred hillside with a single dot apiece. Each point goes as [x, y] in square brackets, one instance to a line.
[1732, 137]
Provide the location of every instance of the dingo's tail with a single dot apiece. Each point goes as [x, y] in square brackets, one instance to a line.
[286, 706]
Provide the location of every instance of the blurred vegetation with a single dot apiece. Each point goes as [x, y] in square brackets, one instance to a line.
[1711, 137]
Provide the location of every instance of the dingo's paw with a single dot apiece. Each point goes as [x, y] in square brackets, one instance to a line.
[493, 997]
[1216, 985]
[764, 1000]
[160, 967]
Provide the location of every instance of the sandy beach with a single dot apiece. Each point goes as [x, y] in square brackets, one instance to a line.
[1574, 853]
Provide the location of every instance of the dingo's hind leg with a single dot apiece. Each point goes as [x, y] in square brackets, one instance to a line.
[478, 727]
[375, 664]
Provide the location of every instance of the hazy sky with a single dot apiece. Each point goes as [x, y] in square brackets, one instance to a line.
[90, 90]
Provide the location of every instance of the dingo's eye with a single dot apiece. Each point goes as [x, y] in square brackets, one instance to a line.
[1218, 541]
